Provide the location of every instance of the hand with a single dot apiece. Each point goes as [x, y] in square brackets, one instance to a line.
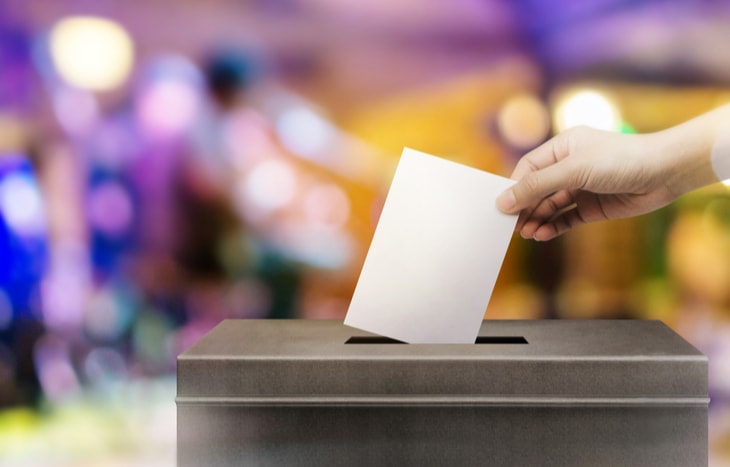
[585, 175]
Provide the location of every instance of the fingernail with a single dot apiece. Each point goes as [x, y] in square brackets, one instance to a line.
[506, 202]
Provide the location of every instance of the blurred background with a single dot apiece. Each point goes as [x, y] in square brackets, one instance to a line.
[165, 165]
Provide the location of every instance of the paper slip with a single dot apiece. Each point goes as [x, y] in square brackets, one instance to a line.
[435, 255]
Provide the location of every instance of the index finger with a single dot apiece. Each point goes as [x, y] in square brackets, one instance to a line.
[545, 155]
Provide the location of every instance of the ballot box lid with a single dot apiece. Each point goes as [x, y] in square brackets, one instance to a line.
[515, 362]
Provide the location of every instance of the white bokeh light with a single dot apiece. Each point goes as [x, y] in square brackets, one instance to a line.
[21, 204]
[304, 132]
[587, 107]
[168, 107]
[91, 53]
[169, 97]
[270, 185]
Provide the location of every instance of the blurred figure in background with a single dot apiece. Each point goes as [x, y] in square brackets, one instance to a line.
[217, 245]
[24, 252]
[206, 210]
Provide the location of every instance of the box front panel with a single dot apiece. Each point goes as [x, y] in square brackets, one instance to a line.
[441, 435]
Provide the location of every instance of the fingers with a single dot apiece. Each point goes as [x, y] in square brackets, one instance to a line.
[568, 219]
[535, 187]
[565, 213]
[546, 210]
[545, 155]
[539, 173]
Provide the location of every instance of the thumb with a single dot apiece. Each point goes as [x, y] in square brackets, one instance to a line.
[535, 186]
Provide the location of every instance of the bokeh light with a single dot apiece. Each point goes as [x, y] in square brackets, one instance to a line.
[523, 121]
[317, 245]
[270, 185]
[304, 132]
[698, 245]
[247, 139]
[21, 204]
[115, 143]
[76, 110]
[165, 165]
[153, 340]
[13, 134]
[91, 53]
[169, 99]
[105, 365]
[111, 210]
[107, 315]
[52, 358]
[65, 288]
[167, 108]
[327, 205]
[587, 107]
[64, 292]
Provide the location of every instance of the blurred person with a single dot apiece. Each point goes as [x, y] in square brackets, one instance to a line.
[206, 212]
[217, 246]
[585, 175]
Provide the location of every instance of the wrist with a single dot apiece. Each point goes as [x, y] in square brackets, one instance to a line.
[689, 148]
[720, 155]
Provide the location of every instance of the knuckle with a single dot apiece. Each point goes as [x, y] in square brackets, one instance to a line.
[579, 177]
[531, 184]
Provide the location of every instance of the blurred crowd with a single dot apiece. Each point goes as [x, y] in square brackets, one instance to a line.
[129, 228]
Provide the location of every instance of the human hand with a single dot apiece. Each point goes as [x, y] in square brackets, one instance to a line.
[585, 175]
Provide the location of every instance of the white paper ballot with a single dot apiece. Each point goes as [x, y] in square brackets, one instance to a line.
[435, 255]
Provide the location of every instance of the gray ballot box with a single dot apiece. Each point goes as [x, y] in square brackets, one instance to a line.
[527, 393]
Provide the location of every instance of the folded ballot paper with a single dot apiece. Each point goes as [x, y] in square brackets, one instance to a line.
[435, 255]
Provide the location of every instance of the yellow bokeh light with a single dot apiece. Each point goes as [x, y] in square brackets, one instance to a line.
[587, 107]
[91, 53]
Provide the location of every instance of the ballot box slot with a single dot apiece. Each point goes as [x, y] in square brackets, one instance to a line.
[480, 340]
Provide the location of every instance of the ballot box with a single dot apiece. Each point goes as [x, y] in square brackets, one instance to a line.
[526, 393]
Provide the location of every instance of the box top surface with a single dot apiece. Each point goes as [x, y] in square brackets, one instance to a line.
[301, 339]
[576, 358]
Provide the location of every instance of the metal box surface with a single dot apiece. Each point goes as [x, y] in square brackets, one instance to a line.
[576, 393]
